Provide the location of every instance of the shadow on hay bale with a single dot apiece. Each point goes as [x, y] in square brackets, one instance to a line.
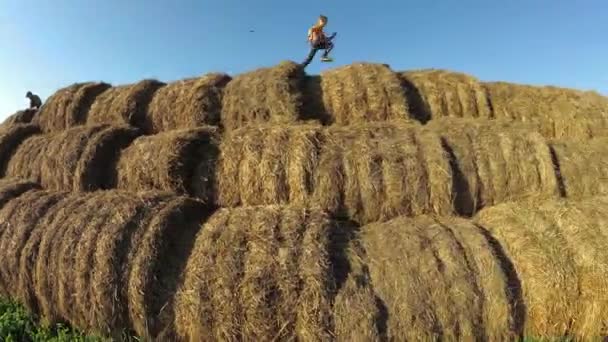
[558, 250]
[187, 103]
[79, 159]
[125, 104]
[68, 107]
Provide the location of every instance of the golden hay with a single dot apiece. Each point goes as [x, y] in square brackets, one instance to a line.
[69, 106]
[496, 161]
[126, 104]
[448, 94]
[19, 216]
[258, 273]
[20, 117]
[356, 171]
[558, 249]
[187, 103]
[452, 282]
[583, 166]
[157, 266]
[81, 158]
[363, 92]
[168, 161]
[10, 139]
[272, 94]
[561, 113]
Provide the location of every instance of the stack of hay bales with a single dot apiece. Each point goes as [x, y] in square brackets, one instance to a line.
[69, 106]
[81, 158]
[187, 104]
[560, 113]
[126, 104]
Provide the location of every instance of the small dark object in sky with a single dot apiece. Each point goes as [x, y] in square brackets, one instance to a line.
[251, 31]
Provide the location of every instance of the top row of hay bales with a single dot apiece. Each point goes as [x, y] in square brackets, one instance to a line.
[357, 93]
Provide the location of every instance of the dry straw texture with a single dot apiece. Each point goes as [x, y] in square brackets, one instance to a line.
[559, 252]
[583, 166]
[366, 172]
[80, 159]
[14, 187]
[363, 92]
[187, 103]
[126, 104]
[443, 93]
[258, 274]
[560, 113]
[495, 161]
[264, 95]
[20, 117]
[10, 139]
[69, 106]
[452, 282]
[170, 161]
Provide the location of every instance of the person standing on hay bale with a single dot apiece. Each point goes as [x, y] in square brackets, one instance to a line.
[319, 41]
[35, 102]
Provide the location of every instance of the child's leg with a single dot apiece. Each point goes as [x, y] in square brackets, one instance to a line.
[311, 55]
[328, 47]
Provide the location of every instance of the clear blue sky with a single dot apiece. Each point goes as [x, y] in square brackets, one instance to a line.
[45, 45]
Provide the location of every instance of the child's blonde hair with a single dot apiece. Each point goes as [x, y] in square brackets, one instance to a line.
[323, 19]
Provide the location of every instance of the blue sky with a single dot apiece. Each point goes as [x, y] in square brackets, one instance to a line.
[45, 45]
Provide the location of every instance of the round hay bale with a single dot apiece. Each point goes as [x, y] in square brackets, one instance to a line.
[548, 261]
[272, 94]
[495, 162]
[268, 164]
[443, 93]
[560, 112]
[126, 104]
[46, 271]
[79, 159]
[258, 273]
[168, 161]
[69, 106]
[20, 117]
[583, 166]
[157, 266]
[452, 282]
[187, 103]
[363, 92]
[10, 139]
[19, 217]
[103, 260]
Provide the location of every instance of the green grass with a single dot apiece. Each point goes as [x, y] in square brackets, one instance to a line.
[17, 325]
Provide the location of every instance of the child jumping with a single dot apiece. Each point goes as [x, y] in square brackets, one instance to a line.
[319, 41]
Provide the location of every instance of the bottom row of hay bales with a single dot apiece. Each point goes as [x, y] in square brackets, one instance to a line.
[165, 267]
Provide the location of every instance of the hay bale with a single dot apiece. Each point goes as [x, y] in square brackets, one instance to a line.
[69, 106]
[583, 166]
[20, 117]
[363, 92]
[187, 103]
[452, 282]
[19, 217]
[79, 159]
[368, 173]
[258, 273]
[158, 264]
[442, 93]
[495, 161]
[11, 188]
[272, 94]
[560, 112]
[126, 104]
[168, 162]
[558, 249]
[10, 139]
